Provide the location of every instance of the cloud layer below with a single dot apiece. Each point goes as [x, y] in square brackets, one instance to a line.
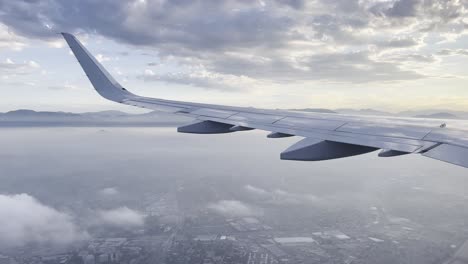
[26, 220]
[234, 208]
[122, 217]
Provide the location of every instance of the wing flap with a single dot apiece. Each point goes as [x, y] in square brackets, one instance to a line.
[312, 149]
[388, 130]
[449, 153]
[404, 145]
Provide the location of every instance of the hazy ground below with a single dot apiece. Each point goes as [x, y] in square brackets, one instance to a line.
[76, 170]
[33, 158]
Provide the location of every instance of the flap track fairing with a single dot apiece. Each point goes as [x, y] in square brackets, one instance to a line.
[206, 127]
[312, 149]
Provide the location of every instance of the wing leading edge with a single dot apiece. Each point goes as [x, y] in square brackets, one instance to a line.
[326, 136]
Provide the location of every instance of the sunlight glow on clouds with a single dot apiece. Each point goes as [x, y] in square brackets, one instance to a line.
[274, 54]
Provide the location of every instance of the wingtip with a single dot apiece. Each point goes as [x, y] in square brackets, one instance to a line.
[66, 34]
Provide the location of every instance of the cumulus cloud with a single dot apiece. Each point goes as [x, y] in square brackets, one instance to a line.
[233, 208]
[10, 40]
[26, 220]
[122, 217]
[230, 43]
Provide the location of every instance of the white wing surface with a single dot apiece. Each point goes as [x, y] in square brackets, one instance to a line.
[325, 136]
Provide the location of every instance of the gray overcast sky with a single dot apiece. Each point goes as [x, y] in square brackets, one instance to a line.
[392, 55]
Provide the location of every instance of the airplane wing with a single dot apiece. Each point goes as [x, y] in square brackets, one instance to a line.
[325, 136]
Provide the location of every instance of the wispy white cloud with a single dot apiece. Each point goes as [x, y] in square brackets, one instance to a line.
[122, 217]
[199, 77]
[279, 196]
[109, 191]
[101, 58]
[234, 208]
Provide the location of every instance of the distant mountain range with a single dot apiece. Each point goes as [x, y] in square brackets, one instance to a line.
[26, 117]
[439, 116]
[432, 114]
[315, 110]
[435, 114]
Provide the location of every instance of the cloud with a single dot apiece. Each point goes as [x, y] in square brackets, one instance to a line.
[20, 67]
[11, 70]
[255, 190]
[296, 4]
[101, 58]
[232, 44]
[122, 217]
[179, 21]
[357, 67]
[65, 87]
[10, 40]
[399, 42]
[284, 197]
[26, 220]
[439, 12]
[403, 8]
[233, 208]
[199, 77]
[417, 58]
[452, 52]
[279, 196]
[110, 191]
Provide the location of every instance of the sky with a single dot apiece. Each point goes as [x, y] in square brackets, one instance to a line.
[390, 55]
